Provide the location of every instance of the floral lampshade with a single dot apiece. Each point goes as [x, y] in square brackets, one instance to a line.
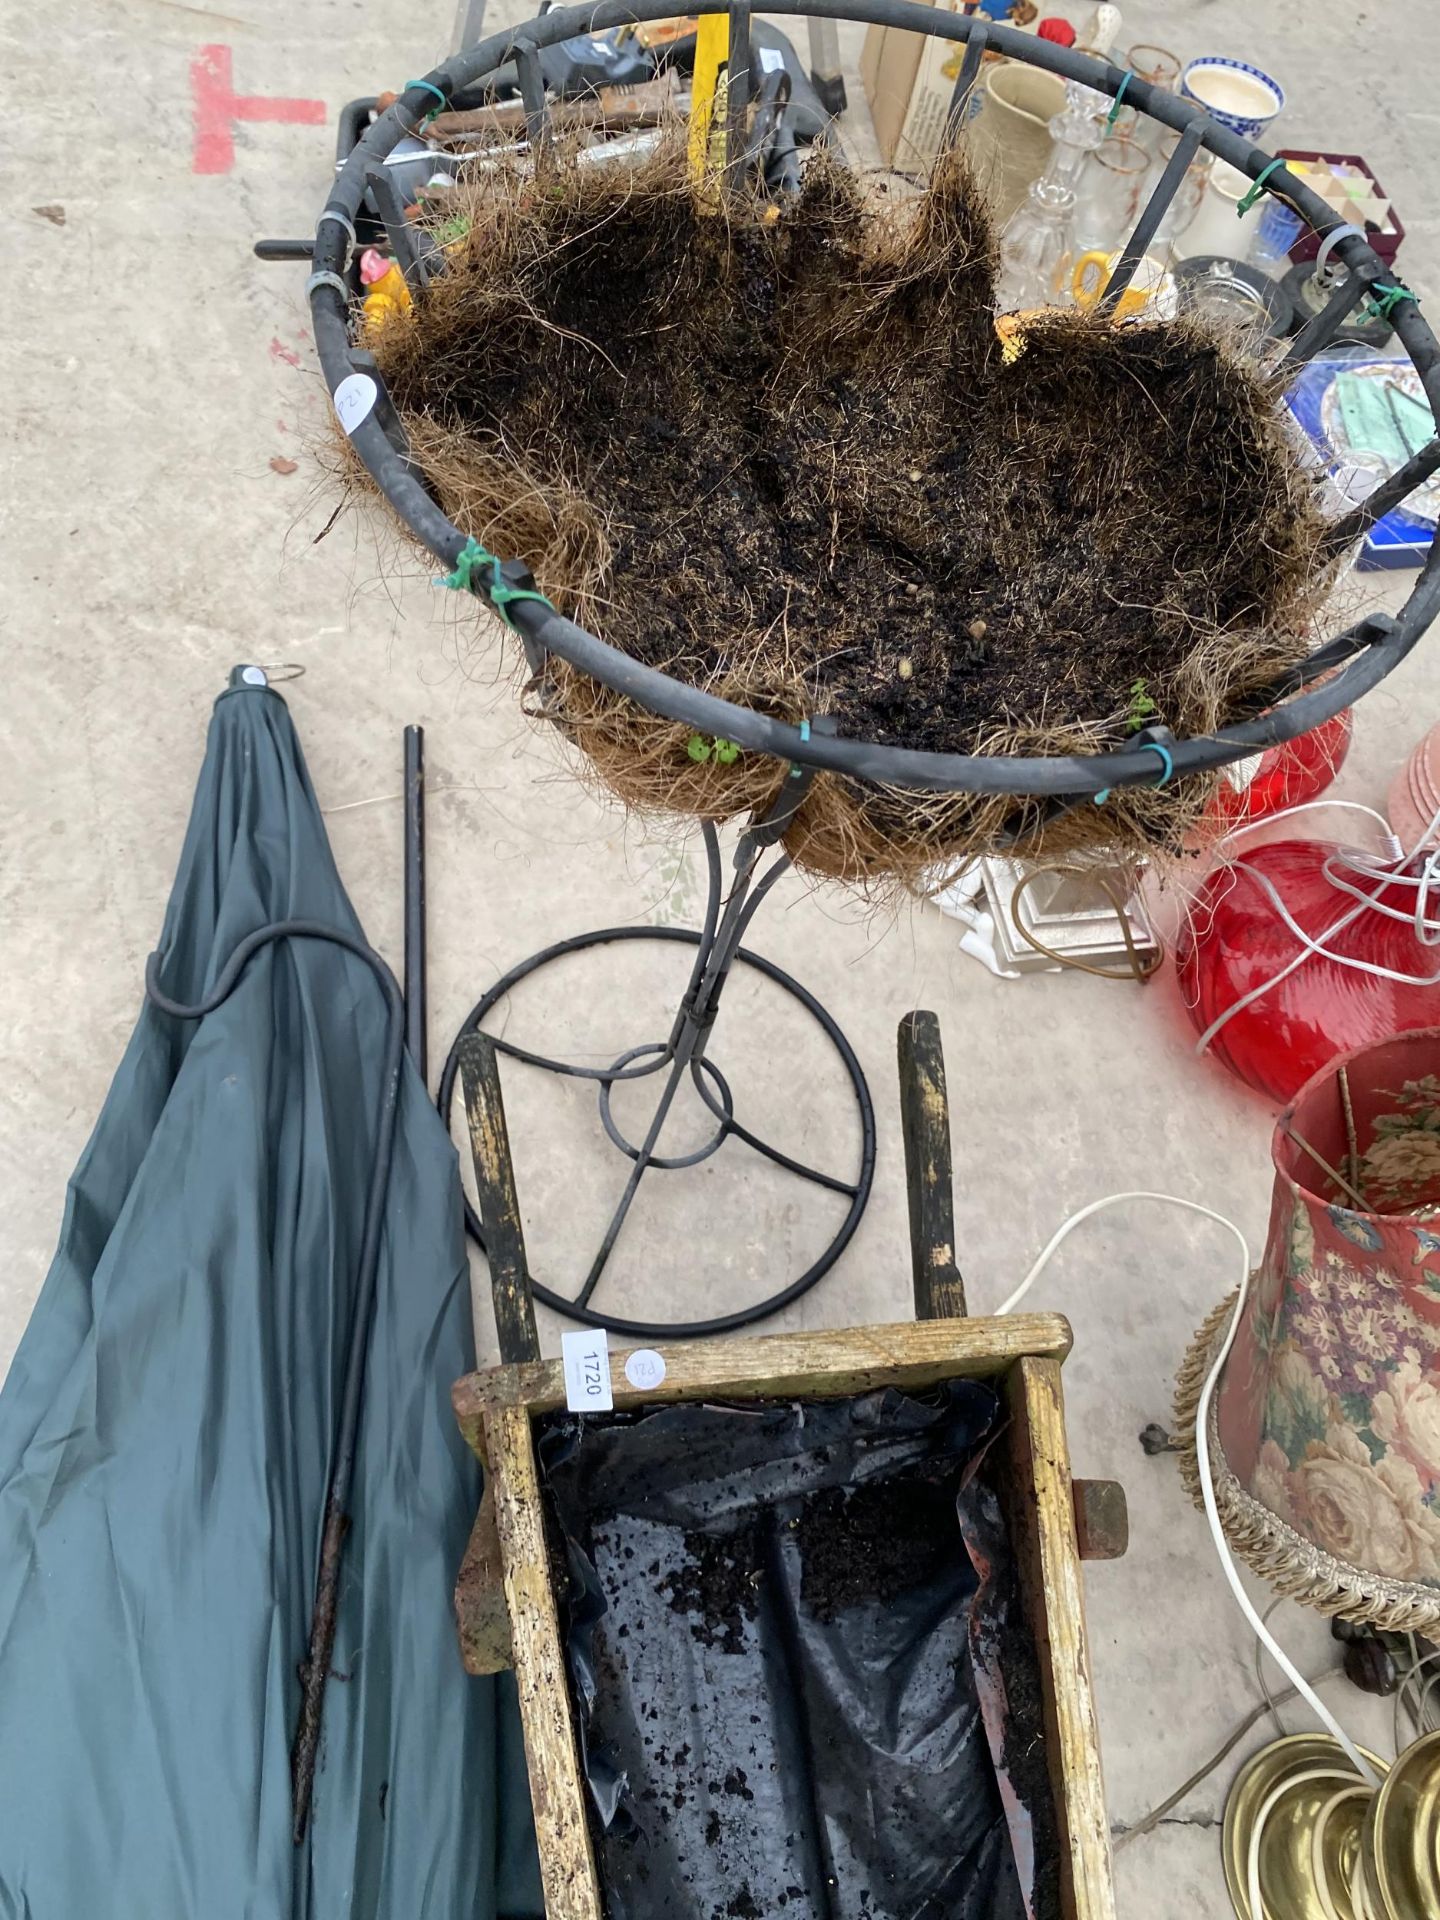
[1325, 1424]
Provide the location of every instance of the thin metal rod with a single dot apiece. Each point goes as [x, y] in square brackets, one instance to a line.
[1390, 493]
[745, 897]
[965, 83]
[1333, 654]
[1325, 1167]
[737, 91]
[637, 1173]
[611, 1075]
[779, 866]
[695, 991]
[408, 243]
[741, 1132]
[608, 1075]
[714, 892]
[714, 959]
[415, 954]
[1153, 212]
[1352, 1143]
[532, 93]
[1321, 328]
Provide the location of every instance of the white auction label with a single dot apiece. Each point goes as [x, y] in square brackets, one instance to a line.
[586, 1359]
[771, 59]
[644, 1368]
[353, 400]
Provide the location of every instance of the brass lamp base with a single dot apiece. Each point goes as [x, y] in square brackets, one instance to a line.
[1325, 1845]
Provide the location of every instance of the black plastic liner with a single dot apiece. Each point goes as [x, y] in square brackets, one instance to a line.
[772, 1625]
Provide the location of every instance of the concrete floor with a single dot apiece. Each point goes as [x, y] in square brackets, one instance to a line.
[152, 375]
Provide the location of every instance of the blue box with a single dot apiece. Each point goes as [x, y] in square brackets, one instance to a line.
[1401, 538]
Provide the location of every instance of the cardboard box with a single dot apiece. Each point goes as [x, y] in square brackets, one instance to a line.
[908, 80]
[1386, 243]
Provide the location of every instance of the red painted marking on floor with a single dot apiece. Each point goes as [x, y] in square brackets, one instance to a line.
[216, 109]
[279, 351]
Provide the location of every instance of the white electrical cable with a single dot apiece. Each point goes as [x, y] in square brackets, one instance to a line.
[1419, 1713]
[1427, 930]
[1384, 872]
[1256, 993]
[1312, 945]
[1067, 1227]
[1202, 1450]
[1312, 806]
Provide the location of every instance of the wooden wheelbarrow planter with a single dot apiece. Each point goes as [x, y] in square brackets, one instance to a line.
[505, 1601]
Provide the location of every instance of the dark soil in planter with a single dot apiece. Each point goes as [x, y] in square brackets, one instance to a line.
[769, 1619]
[786, 460]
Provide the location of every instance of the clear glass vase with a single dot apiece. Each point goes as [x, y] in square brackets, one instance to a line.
[1038, 241]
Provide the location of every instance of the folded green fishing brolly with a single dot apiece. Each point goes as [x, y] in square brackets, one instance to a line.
[169, 1427]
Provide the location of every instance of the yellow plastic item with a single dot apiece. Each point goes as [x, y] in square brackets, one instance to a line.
[1092, 271]
[1010, 330]
[707, 90]
[388, 296]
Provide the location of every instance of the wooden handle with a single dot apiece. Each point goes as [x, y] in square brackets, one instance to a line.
[499, 1202]
[925, 1126]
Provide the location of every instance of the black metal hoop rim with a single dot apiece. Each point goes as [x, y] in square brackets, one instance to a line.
[1356, 659]
[659, 1055]
[859, 1194]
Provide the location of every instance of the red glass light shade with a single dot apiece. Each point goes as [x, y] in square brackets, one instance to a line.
[1288, 775]
[1234, 940]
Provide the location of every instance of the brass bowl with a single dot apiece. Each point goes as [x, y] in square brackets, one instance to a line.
[1287, 1876]
[1402, 1835]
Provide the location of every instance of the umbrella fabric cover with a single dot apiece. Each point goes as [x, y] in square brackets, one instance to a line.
[166, 1434]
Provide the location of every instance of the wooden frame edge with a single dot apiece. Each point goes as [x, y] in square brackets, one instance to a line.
[1048, 1555]
[774, 1366]
[557, 1789]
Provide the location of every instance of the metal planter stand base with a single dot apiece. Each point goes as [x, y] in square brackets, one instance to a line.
[681, 1055]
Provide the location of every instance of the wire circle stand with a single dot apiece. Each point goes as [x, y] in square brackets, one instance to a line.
[1334, 675]
[682, 1056]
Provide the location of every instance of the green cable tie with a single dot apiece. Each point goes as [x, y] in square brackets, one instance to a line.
[1257, 187]
[798, 772]
[1114, 113]
[1389, 298]
[501, 594]
[429, 87]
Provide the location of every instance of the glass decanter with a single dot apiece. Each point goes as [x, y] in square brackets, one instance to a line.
[1037, 243]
